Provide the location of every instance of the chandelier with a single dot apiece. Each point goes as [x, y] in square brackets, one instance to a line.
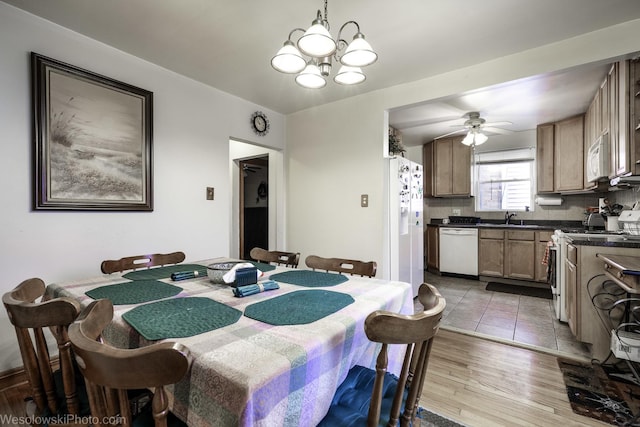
[317, 44]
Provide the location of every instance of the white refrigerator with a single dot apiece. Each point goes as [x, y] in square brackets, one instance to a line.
[406, 222]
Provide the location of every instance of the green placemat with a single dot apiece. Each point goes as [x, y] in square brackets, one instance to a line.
[299, 307]
[135, 292]
[309, 278]
[180, 317]
[158, 273]
[263, 266]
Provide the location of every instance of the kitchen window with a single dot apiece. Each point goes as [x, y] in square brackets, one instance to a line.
[504, 180]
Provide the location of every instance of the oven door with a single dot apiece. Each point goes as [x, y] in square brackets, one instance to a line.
[554, 277]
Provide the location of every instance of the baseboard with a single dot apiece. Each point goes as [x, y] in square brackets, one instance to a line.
[18, 376]
[12, 378]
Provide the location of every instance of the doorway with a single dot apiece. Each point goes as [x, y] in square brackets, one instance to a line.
[253, 204]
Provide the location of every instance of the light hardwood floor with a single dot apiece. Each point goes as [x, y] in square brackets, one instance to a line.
[480, 382]
[471, 380]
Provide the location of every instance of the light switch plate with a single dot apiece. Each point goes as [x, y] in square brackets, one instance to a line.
[364, 200]
[210, 193]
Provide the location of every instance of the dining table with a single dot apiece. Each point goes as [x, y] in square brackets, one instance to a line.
[271, 358]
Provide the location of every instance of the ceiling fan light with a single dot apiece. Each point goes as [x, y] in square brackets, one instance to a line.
[349, 75]
[288, 59]
[480, 138]
[468, 140]
[359, 53]
[310, 77]
[317, 41]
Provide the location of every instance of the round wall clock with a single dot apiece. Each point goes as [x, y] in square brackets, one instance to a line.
[260, 123]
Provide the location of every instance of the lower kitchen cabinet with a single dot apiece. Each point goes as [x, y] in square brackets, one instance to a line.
[520, 255]
[491, 253]
[583, 283]
[432, 245]
[513, 254]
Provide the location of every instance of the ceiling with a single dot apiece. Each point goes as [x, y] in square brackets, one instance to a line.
[229, 45]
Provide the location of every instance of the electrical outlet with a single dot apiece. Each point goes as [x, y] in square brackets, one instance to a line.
[456, 212]
[364, 200]
[210, 193]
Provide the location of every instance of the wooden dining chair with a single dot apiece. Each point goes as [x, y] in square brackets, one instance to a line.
[141, 261]
[289, 259]
[110, 372]
[357, 402]
[341, 265]
[57, 392]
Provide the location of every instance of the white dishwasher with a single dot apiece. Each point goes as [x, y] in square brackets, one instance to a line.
[459, 250]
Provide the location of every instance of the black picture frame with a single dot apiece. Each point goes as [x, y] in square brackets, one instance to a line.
[93, 140]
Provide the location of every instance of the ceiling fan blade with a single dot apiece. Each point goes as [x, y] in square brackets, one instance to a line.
[451, 133]
[496, 130]
[492, 124]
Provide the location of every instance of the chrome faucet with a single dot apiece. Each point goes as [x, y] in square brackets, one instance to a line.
[508, 216]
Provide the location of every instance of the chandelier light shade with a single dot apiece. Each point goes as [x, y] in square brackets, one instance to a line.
[359, 53]
[311, 77]
[288, 59]
[349, 75]
[322, 49]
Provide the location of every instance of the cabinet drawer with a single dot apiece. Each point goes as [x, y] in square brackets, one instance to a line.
[572, 254]
[491, 234]
[520, 235]
[544, 236]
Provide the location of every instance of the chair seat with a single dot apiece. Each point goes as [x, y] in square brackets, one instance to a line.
[350, 405]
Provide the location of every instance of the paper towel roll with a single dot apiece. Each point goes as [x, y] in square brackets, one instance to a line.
[549, 201]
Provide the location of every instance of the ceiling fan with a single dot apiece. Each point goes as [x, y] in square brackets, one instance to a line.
[250, 168]
[475, 124]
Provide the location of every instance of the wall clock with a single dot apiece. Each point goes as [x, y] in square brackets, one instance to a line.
[260, 123]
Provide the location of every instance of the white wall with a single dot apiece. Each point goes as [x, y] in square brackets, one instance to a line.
[335, 150]
[192, 127]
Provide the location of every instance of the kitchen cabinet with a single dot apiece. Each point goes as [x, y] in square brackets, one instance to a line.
[560, 156]
[513, 254]
[569, 154]
[432, 245]
[618, 111]
[585, 320]
[520, 250]
[544, 157]
[449, 168]
[571, 280]
[633, 125]
[491, 252]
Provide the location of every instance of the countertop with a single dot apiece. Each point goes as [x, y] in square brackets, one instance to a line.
[516, 224]
[618, 241]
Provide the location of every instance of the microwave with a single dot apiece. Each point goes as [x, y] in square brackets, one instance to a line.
[598, 159]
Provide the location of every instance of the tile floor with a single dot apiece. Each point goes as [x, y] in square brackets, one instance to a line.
[522, 320]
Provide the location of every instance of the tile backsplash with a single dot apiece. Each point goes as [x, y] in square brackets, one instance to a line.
[572, 208]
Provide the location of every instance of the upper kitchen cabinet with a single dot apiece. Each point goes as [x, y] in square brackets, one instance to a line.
[560, 156]
[634, 113]
[447, 164]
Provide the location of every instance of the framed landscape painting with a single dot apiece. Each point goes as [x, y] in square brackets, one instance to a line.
[93, 140]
